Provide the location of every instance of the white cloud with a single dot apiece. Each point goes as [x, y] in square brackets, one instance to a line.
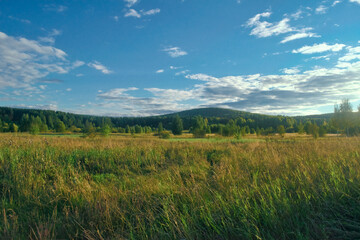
[78, 63]
[263, 29]
[150, 12]
[321, 9]
[299, 35]
[130, 3]
[173, 67]
[173, 94]
[182, 72]
[175, 52]
[23, 62]
[160, 71]
[68, 89]
[98, 66]
[50, 38]
[289, 71]
[136, 14]
[116, 18]
[116, 93]
[326, 57]
[291, 93]
[355, 1]
[297, 15]
[319, 48]
[352, 54]
[335, 3]
[132, 13]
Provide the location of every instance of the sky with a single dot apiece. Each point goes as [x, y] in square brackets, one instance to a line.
[151, 57]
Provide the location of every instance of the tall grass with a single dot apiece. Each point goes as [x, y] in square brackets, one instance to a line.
[117, 188]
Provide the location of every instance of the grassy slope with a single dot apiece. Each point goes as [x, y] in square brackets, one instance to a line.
[120, 188]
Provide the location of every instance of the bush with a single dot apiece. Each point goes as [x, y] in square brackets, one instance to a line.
[164, 135]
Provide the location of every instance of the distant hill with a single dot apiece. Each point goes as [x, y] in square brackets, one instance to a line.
[214, 116]
[233, 114]
[215, 113]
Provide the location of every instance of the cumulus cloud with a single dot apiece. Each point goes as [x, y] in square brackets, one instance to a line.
[352, 54]
[98, 66]
[175, 52]
[319, 48]
[293, 70]
[293, 92]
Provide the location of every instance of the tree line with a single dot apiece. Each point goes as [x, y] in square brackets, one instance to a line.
[232, 123]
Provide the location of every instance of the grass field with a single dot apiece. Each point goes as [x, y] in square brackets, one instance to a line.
[147, 188]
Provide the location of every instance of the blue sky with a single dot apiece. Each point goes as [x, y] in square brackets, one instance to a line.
[140, 58]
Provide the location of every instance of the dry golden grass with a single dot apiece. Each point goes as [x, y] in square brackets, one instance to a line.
[124, 187]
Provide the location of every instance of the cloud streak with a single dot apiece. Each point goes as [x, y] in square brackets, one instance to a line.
[319, 48]
[175, 52]
[100, 67]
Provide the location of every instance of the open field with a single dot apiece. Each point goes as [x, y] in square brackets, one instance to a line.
[124, 187]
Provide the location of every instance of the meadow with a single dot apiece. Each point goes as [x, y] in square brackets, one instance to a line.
[123, 187]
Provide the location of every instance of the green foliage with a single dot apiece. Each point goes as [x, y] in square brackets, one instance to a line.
[199, 127]
[14, 127]
[322, 131]
[60, 126]
[177, 126]
[89, 129]
[138, 129]
[281, 130]
[106, 130]
[313, 130]
[300, 128]
[160, 128]
[345, 120]
[164, 135]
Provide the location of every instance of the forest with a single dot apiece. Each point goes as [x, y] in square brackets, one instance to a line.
[200, 122]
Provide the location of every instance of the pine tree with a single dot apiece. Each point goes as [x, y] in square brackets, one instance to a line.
[177, 125]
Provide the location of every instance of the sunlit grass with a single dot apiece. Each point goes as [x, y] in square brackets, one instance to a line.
[124, 187]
